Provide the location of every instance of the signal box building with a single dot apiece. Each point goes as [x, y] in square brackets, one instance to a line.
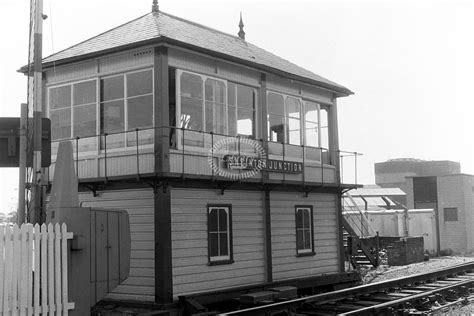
[225, 156]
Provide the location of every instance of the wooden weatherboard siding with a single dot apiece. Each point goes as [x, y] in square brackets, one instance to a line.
[140, 207]
[191, 271]
[286, 263]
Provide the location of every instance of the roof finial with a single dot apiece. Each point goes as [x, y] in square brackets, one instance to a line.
[154, 7]
[241, 27]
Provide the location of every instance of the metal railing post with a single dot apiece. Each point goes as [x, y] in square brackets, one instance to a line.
[377, 249]
[304, 165]
[355, 167]
[238, 146]
[182, 151]
[138, 157]
[341, 168]
[262, 172]
[284, 154]
[212, 154]
[77, 156]
[105, 156]
[322, 162]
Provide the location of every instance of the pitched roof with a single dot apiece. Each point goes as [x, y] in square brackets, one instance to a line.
[159, 26]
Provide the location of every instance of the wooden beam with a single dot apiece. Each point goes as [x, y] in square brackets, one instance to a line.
[334, 139]
[340, 233]
[263, 119]
[161, 110]
[268, 236]
[163, 259]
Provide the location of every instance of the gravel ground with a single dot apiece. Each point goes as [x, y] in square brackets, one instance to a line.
[385, 272]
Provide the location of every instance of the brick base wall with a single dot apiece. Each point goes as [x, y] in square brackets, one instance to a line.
[405, 251]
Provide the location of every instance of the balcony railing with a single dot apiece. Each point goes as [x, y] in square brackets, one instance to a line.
[191, 152]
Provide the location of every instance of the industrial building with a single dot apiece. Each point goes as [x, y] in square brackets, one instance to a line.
[393, 173]
[452, 198]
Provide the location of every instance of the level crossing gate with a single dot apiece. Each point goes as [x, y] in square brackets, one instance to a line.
[34, 270]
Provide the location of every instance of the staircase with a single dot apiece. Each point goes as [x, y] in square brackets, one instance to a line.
[360, 238]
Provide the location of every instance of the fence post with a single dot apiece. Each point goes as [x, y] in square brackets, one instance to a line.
[57, 268]
[29, 279]
[64, 268]
[44, 271]
[50, 272]
[36, 290]
[24, 271]
[16, 269]
[2, 231]
[8, 271]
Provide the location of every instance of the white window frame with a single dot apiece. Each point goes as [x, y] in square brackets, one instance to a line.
[287, 117]
[97, 133]
[179, 132]
[302, 119]
[255, 110]
[125, 107]
[97, 111]
[72, 83]
[223, 258]
[305, 141]
[179, 72]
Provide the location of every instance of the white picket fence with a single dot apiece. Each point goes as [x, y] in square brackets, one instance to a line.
[34, 270]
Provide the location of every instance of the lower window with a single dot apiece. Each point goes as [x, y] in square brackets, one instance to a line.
[219, 227]
[304, 230]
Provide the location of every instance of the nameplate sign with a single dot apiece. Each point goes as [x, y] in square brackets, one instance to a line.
[237, 162]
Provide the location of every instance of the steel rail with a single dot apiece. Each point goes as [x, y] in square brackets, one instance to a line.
[356, 291]
[376, 308]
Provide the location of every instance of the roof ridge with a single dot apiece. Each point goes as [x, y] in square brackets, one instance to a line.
[201, 25]
[90, 38]
[154, 13]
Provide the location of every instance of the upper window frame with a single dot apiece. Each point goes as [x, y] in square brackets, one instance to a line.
[321, 106]
[205, 142]
[71, 106]
[126, 97]
[98, 133]
[179, 73]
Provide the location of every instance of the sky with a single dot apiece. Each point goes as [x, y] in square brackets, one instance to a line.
[409, 63]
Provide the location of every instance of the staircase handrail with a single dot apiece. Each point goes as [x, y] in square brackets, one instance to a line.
[365, 228]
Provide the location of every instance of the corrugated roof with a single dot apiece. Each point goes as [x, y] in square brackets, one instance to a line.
[377, 192]
[156, 26]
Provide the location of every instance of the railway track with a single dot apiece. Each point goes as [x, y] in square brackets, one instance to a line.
[420, 294]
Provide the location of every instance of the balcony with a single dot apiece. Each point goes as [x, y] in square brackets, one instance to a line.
[203, 155]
